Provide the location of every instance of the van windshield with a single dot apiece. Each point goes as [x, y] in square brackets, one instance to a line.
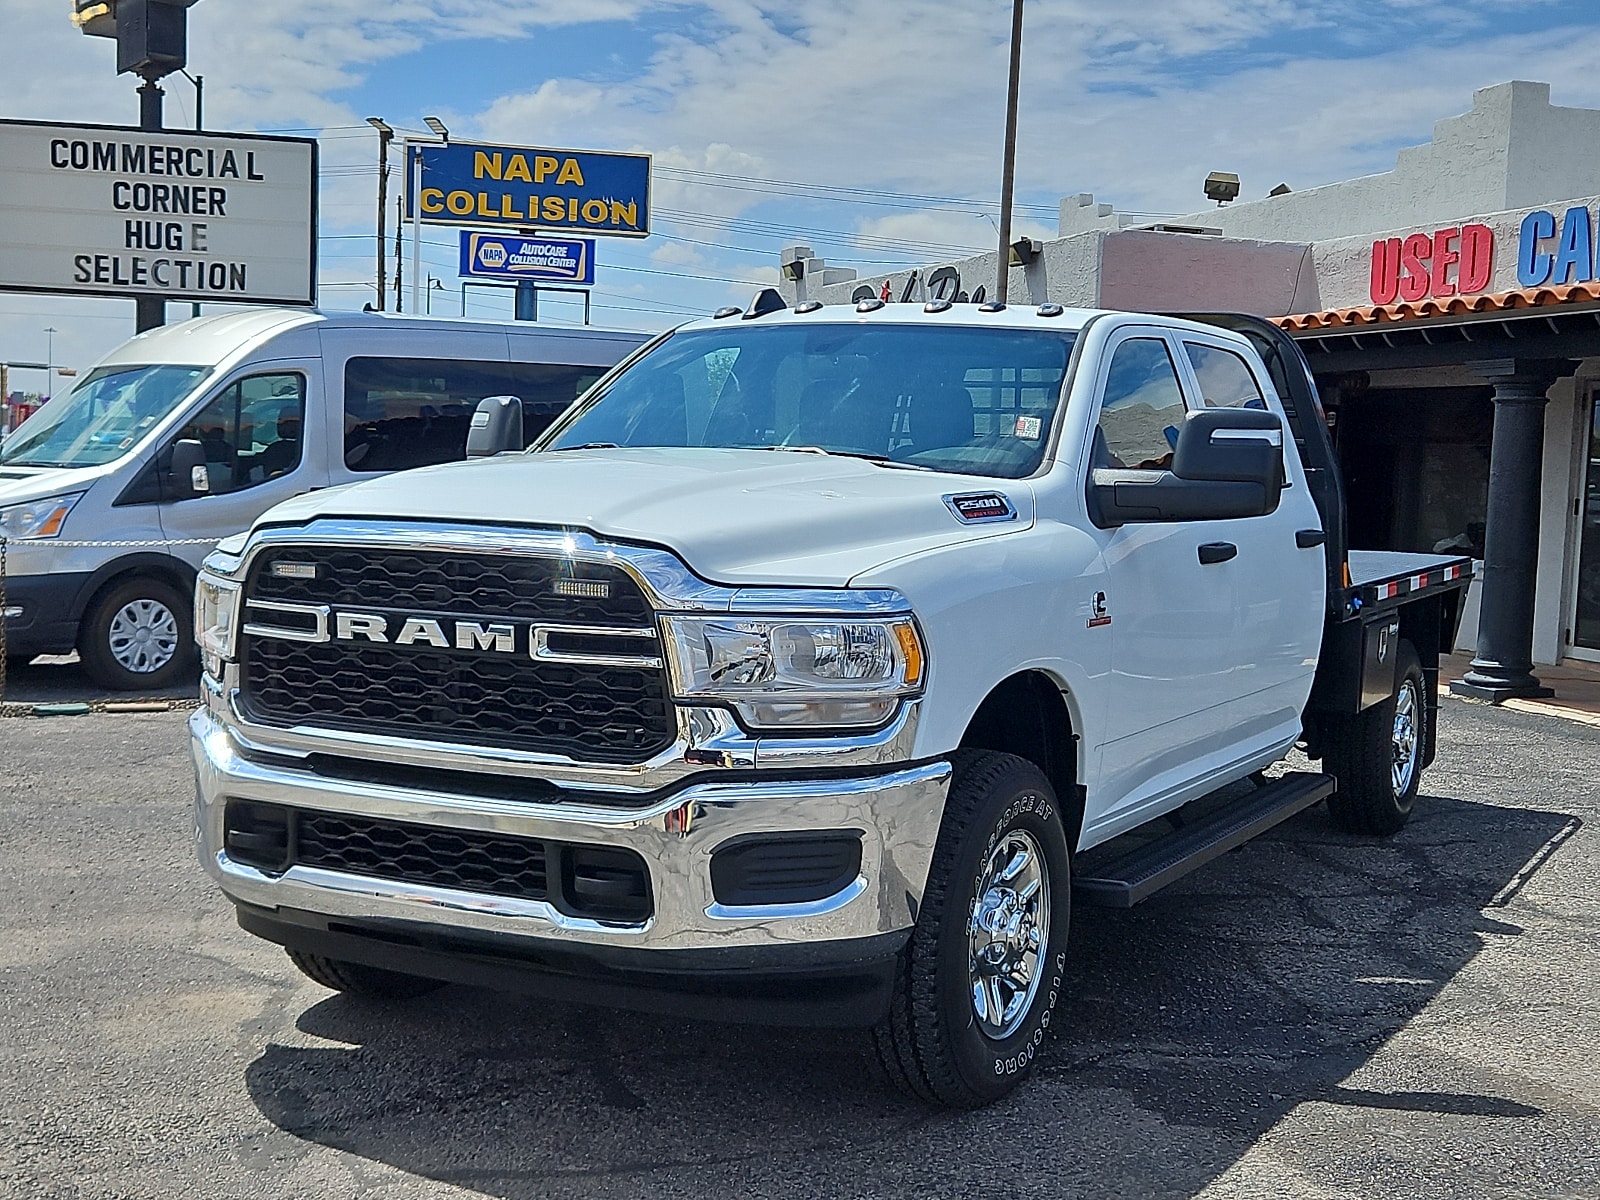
[969, 401]
[102, 418]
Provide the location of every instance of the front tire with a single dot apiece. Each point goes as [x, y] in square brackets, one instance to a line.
[138, 635]
[1377, 755]
[983, 970]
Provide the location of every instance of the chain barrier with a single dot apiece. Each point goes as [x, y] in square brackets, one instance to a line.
[59, 544]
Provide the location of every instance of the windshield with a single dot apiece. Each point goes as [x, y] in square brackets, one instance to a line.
[971, 401]
[101, 418]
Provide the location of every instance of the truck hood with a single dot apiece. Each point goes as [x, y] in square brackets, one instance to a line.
[18, 485]
[741, 517]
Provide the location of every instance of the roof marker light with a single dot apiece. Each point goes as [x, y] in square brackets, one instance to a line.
[1051, 310]
[810, 306]
[992, 306]
[936, 306]
[871, 304]
[727, 310]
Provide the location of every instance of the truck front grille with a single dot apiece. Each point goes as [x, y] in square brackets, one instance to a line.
[296, 669]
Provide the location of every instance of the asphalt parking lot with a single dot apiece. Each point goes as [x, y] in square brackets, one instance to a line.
[1315, 1015]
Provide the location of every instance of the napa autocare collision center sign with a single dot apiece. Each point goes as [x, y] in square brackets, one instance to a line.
[113, 211]
[553, 191]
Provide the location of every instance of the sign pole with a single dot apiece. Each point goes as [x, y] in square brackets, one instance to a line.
[150, 312]
[416, 226]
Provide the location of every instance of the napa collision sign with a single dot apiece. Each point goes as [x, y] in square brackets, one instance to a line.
[556, 191]
[107, 210]
[538, 259]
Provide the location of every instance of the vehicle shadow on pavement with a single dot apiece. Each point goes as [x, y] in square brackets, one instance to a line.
[1193, 1024]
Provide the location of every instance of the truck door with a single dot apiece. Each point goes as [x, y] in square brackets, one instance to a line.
[253, 429]
[1278, 584]
[1175, 625]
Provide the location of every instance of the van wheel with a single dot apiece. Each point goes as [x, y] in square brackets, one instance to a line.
[138, 634]
[980, 977]
[1377, 755]
[358, 979]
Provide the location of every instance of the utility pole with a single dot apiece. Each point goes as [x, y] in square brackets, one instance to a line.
[49, 361]
[385, 136]
[399, 252]
[1008, 171]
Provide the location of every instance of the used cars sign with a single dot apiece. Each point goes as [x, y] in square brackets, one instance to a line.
[108, 210]
[560, 191]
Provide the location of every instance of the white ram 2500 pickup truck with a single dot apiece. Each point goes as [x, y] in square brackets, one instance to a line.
[805, 669]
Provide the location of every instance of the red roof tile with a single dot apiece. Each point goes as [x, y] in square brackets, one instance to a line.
[1540, 297]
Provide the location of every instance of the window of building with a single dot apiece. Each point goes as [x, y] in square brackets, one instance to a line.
[1225, 379]
[252, 431]
[1142, 410]
[413, 412]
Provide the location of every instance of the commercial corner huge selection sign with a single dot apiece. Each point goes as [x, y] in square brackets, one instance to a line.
[108, 210]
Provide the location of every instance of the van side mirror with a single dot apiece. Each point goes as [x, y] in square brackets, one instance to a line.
[1228, 462]
[496, 427]
[190, 475]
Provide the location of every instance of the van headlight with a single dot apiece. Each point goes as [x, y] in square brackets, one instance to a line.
[216, 616]
[36, 518]
[796, 673]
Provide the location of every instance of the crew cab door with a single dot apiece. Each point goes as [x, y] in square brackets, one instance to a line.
[1174, 625]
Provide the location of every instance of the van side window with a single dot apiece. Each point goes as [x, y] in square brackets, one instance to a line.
[1142, 410]
[1225, 380]
[414, 412]
[252, 431]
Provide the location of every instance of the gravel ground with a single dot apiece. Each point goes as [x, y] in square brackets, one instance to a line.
[1315, 1015]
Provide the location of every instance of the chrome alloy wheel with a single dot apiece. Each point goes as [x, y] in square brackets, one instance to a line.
[143, 636]
[1406, 744]
[1007, 934]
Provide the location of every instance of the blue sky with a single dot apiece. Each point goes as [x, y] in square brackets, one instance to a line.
[868, 129]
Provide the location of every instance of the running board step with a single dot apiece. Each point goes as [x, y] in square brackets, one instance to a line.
[1124, 882]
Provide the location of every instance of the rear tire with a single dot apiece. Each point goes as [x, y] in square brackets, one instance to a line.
[358, 979]
[1377, 755]
[980, 977]
[139, 635]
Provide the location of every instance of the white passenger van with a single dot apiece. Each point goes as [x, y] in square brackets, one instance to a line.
[111, 495]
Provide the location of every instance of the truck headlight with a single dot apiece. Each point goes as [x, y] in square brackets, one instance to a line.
[36, 518]
[216, 615]
[790, 673]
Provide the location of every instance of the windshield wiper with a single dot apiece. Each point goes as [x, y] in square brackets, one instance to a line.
[586, 446]
[877, 460]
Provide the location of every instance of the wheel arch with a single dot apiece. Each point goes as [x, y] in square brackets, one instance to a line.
[153, 565]
[1028, 714]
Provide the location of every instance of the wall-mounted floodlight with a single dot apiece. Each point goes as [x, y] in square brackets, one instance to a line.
[1222, 186]
[437, 126]
[1024, 251]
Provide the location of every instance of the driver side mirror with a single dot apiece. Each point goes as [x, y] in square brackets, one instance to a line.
[190, 475]
[496, 427]
[1228, 462]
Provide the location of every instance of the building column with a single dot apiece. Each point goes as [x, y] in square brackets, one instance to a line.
[1502, 668]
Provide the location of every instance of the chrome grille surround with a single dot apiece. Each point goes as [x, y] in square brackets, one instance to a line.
[707, 739]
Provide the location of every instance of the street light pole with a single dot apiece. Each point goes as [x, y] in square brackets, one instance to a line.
[1008, 171]
[442, 137]
[49, 360]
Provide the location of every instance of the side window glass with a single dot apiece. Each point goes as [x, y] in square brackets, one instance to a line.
[1225, 380]
[252, 431]
[1142, 409]
[401, 413]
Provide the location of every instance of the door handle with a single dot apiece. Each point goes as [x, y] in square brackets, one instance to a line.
[1216, 552]
[1307, 538]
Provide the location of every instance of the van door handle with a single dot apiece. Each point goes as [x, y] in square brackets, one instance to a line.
[1215, 552]
[1307, 538]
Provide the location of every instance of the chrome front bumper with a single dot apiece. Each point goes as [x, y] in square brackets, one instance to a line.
[897, 814]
